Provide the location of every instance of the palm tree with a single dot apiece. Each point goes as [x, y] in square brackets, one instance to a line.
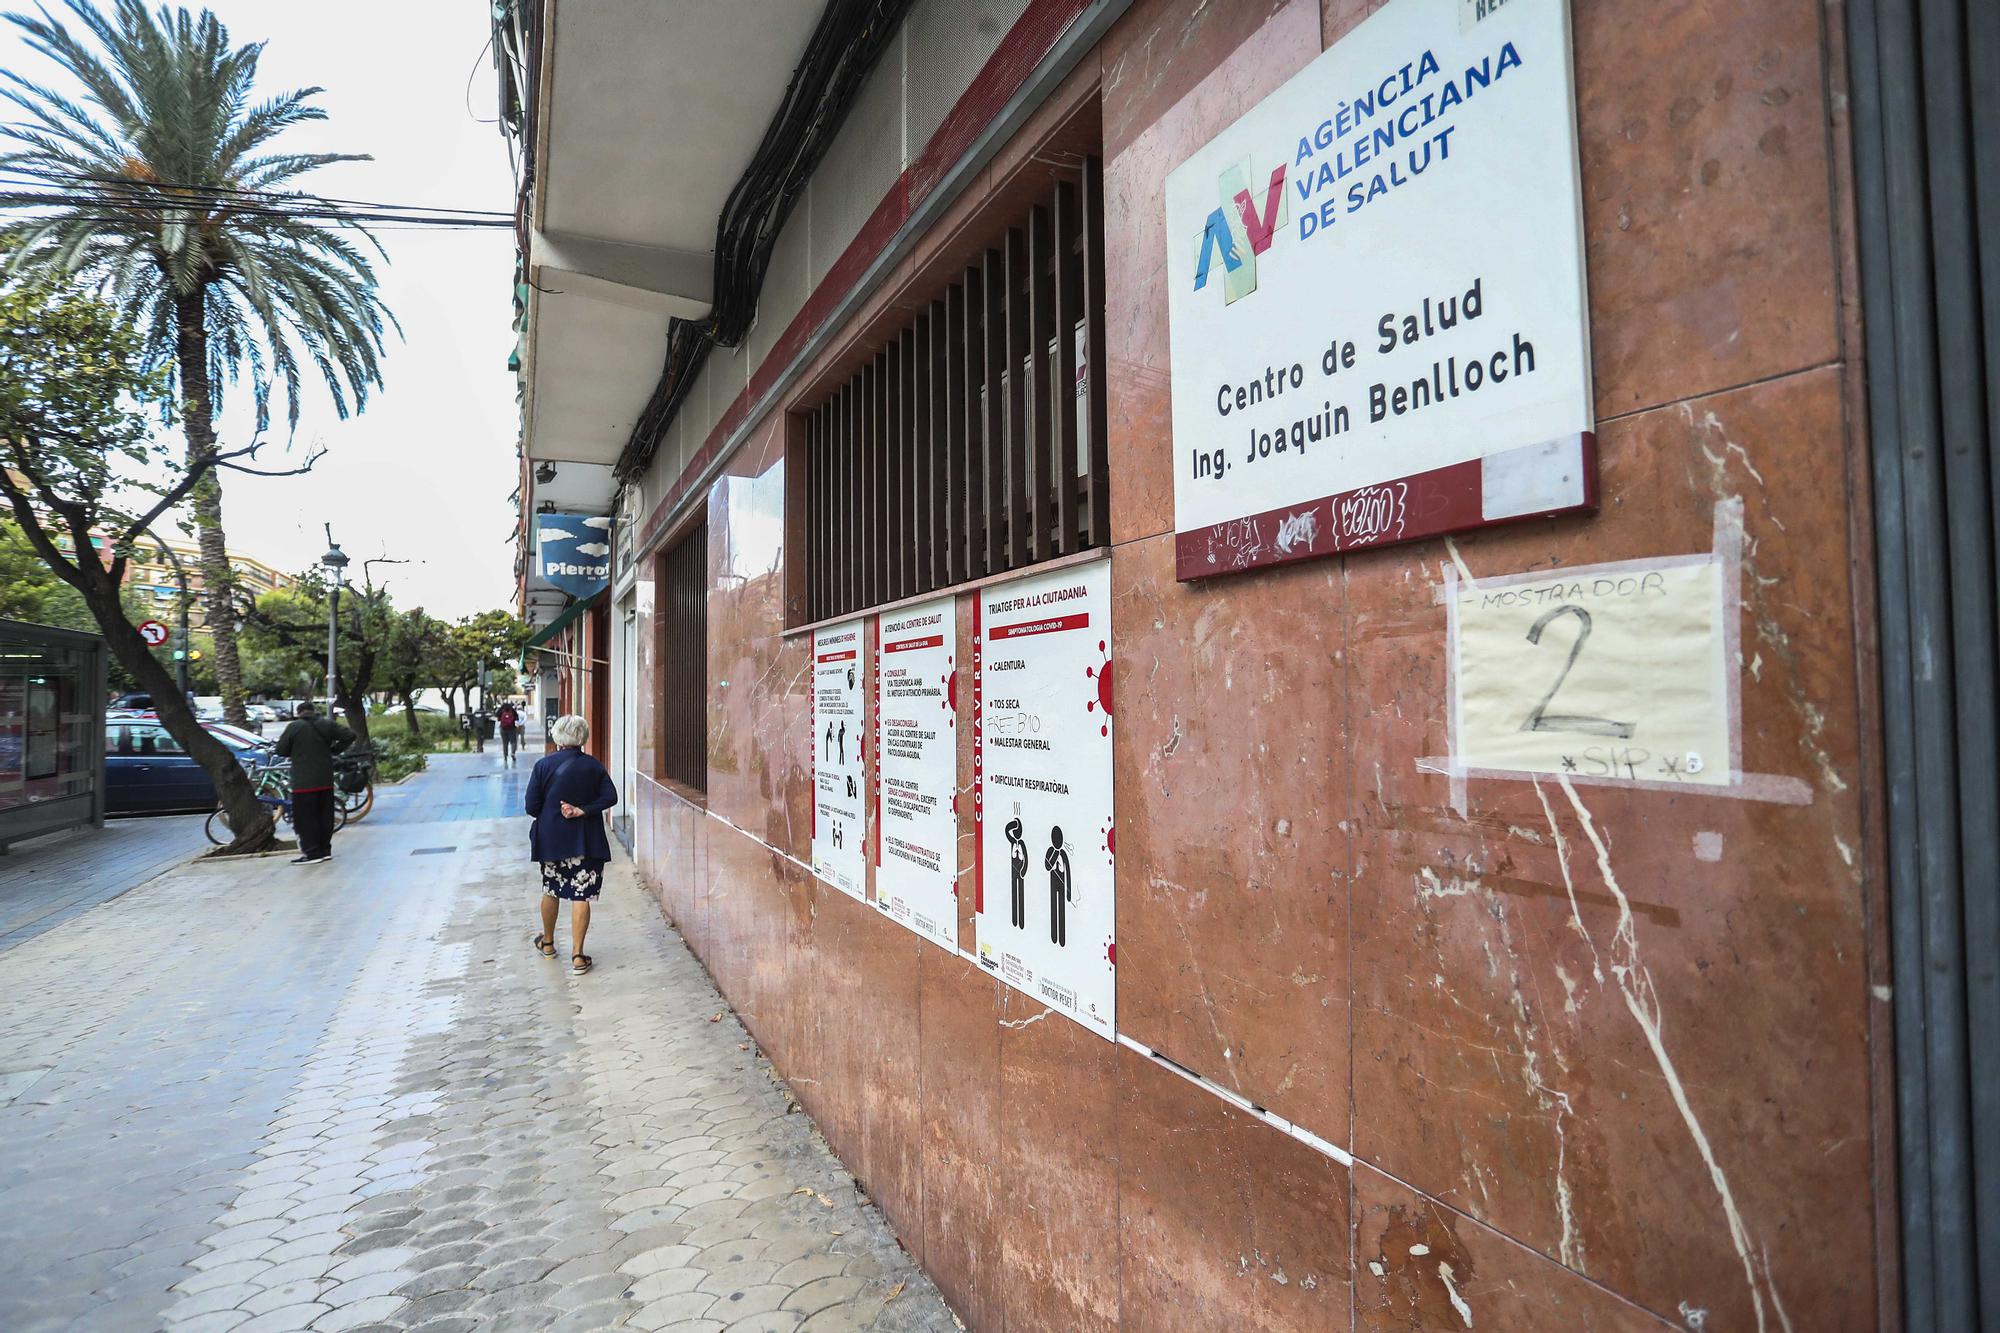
[161, 185]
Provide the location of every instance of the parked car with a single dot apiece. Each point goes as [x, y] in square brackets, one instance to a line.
[146, 770]
[238, 736]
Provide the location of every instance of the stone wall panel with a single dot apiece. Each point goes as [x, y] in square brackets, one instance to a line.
[963, 1112]
[1232, 760]
[1224, 1222]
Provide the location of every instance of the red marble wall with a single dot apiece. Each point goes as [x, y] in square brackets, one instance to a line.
[1550, 1127]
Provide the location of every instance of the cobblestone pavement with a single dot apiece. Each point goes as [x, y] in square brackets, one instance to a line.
[46, 881]
[250, 1096]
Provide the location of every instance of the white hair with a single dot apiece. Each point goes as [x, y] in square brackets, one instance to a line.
[568, 730]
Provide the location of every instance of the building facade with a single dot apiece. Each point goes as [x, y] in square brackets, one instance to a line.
[155, 572]
[1404, 962]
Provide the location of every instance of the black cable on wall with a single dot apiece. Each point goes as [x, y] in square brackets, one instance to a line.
[850, 37]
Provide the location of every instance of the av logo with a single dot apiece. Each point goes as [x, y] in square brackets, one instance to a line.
[1238, 232]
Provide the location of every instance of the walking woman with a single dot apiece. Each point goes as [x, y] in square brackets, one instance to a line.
[568, 793]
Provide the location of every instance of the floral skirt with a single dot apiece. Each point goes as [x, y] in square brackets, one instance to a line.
[576, 879]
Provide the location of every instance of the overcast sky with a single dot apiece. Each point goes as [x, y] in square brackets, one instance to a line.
[426, 471]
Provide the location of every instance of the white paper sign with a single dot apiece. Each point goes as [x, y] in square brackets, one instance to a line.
[1376, 281]
[1042, 722]
[840, 777]
[1613, 673]
[916, 723]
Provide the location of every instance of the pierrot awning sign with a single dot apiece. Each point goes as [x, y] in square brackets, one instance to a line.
[1376, 295]
[573, 552]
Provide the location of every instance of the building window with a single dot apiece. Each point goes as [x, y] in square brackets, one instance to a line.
[683, 603]
[972, 442]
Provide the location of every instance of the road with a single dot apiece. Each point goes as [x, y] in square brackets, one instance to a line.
[250, 1096]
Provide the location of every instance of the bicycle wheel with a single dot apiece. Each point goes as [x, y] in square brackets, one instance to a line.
[356, 804]
[222, 833]
[339, 816]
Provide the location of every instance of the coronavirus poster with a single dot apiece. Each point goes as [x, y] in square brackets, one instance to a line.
[1376, 306]
[916, 720]
[840, 774]
[1042, 790]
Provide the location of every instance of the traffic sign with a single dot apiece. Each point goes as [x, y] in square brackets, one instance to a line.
[153, 632]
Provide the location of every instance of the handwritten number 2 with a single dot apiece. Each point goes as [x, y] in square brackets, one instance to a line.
[1540, 719]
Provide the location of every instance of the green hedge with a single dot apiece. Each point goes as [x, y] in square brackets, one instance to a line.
[440, 731]
[396, 755]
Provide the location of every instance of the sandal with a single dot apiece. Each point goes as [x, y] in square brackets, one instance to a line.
[544, 946]
[579, 963]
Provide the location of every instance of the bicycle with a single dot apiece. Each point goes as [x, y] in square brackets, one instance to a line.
[273, 783]
[354, 783]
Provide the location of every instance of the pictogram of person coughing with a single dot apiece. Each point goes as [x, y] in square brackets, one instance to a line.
[1017, 871]
[843, 743]
[1061, 892]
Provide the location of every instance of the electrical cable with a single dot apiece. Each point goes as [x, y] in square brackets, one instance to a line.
[842, 51]
[118, 209]
[248, 208]
[98, 185]
[470, 75]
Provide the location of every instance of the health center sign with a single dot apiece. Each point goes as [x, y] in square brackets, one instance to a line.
[1376, 295]
[916, 766]
[1042, 790]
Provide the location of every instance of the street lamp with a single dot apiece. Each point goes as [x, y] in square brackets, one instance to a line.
[335, 562]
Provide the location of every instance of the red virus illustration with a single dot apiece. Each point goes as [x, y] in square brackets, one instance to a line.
[1110, 839]
[951, 689]
[1102, 674]
[1111, 952]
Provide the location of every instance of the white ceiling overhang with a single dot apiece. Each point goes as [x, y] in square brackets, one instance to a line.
[647, 115]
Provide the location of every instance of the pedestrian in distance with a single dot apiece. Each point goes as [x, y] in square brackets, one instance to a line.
[568, 793]
[311, 742]
[509, 719]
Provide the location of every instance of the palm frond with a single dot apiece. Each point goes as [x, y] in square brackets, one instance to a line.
[165, 100]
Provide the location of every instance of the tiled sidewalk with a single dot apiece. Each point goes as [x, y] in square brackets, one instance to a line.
[46, 881]
[250, 1097]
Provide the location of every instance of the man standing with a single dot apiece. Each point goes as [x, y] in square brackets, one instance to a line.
[1061, 891]
[310, 743]
[509, 719]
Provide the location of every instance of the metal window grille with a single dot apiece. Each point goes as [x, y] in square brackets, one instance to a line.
[683, 602]
[972, 442]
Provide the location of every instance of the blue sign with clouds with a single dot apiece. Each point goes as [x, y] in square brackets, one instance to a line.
[573, 552]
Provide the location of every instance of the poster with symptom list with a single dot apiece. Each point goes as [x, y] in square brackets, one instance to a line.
[916, 721]
[1042, 790]
[840, 775]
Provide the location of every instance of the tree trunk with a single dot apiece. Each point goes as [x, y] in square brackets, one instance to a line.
[410, 714]
[355, 704]
[233, 789]
[197, 418]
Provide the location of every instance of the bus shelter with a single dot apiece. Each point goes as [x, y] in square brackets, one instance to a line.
[52, 692]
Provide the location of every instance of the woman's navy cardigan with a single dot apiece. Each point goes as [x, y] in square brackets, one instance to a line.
[573, 776]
